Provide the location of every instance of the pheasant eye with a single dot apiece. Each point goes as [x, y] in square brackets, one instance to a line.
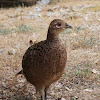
[59, 24]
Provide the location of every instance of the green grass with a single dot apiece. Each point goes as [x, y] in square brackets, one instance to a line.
[77, 29]
[23, 28]
[86, 73]
[87, 65]
[82, 71]
[38, 29]
[95, 9]
[19, 29]
[4, 31]
[86, 42]
[71, 8]
[97, 95]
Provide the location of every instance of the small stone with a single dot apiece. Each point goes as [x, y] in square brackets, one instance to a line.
[98, 19]
[45, 2]
[14, 34]
[38, 9]
[11, 52]
[87, 51]
[30, 13]
[58, 86]
[88, 90]
[86, 18]
[1, 51]
[36, 15]
[68, 89]
[63, 99]
[94, 71]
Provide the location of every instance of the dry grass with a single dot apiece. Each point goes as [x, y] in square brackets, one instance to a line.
[95, 9]
[20, 25]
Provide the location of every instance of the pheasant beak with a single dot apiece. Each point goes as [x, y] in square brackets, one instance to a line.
[68, 26]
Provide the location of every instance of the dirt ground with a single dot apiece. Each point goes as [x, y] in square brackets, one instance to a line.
[81, 78]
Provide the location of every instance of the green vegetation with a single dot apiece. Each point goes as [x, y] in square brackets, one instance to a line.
[23, 28]
[97, 95]
[77, 29]
[86, 42]
[4, 31]
[95, 9]
[84, 72]
[19, 29]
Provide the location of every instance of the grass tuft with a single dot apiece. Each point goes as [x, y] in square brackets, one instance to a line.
[84, 40]
[84, 73]
[23, 28]
[4, 31]
[77, 29]
[95, 9]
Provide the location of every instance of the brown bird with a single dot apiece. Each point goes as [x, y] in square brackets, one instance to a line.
[44, 62]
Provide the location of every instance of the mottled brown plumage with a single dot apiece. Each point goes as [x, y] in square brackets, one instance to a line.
[44, 62]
